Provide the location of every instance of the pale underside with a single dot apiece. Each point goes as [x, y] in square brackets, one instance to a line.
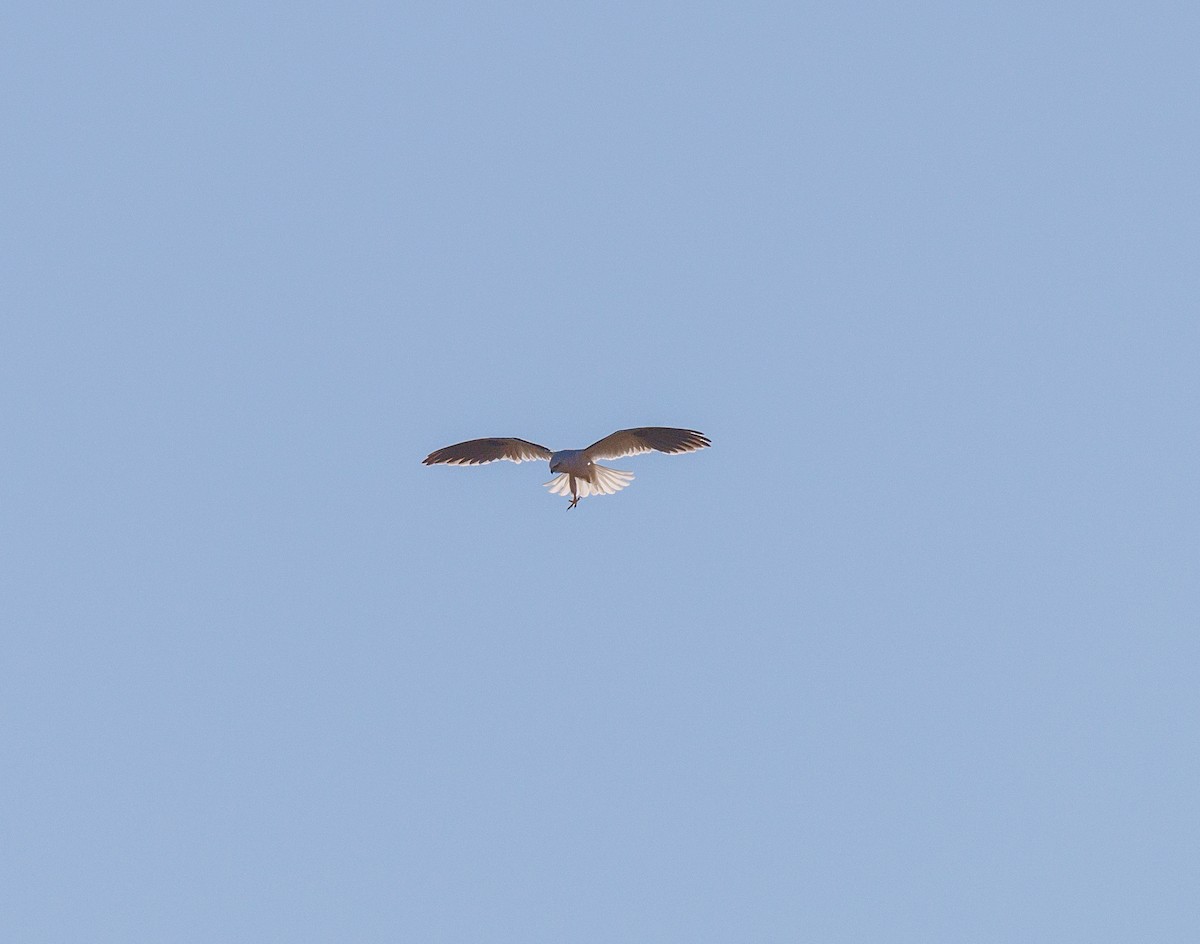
[603, 481]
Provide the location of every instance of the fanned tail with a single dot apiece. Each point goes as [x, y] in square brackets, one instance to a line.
[607, 482]
[559, 485]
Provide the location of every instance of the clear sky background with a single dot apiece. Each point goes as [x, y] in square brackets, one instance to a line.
[909, 655]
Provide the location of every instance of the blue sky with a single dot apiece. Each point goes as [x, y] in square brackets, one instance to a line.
[909, 655]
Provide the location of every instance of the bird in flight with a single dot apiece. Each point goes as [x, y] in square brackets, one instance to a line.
[577, 470]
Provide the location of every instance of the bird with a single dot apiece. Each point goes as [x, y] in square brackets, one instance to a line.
[577, 470]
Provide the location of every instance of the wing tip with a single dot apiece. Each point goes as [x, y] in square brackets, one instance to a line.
[693, 441]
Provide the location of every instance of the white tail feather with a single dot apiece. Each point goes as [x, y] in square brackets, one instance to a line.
[607, 482]
[558, 485]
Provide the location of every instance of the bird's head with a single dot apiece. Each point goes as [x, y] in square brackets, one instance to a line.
[561, 459]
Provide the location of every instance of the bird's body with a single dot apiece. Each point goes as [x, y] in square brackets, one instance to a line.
[577, 471]
[580, 476]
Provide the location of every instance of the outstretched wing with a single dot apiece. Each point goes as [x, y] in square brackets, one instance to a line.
[630, 442]
[479, 451]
